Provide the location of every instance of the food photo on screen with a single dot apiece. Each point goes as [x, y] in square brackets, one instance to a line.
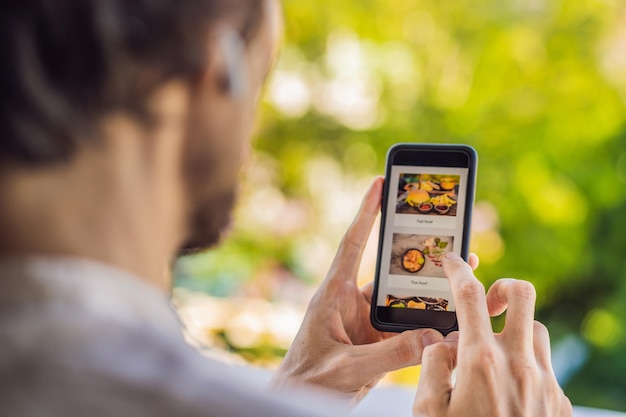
[418, 302]
[421, 255]
[429, 194]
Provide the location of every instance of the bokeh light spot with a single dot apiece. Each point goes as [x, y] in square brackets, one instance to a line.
[602, 329]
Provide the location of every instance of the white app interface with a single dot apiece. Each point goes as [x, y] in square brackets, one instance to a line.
[425, 219]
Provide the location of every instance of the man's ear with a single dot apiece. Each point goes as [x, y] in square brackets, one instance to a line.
[233, 77]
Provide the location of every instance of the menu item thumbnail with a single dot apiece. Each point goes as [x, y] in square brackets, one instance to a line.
[418, 302]
[420, 255]
[413, 260]
[427, 194]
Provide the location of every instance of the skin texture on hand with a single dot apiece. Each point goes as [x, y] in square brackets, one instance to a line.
[505, 374]
[337, 348]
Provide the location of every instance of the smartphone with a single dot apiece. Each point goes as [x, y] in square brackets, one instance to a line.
[427, 204]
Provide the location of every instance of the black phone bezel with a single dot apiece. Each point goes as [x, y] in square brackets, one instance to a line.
[391, 319]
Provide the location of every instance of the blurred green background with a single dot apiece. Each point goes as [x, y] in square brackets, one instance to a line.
[536, 86]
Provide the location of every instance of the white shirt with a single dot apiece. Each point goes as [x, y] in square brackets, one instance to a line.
[80, 338]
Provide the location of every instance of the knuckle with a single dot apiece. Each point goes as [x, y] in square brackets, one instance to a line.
[456, 266]
[336, 286]
[406, 351]
[488, 357]
[439, 352]
[522, 371]
[486, 360]
[524, 290]
[471, 288]
[430, 351]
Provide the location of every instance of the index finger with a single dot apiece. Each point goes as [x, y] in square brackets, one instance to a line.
[469, 297]
[346, 263]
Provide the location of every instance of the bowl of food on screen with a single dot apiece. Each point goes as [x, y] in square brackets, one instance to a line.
[418, 303]
[424, 185]
[447, 183]
[431, 303]
[410, 186]
[442, 203]
[413, 260]
[425, 207]
[397, 304]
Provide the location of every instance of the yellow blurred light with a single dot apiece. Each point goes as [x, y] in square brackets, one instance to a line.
[602, 329]
[420, 28]
[553, 198]
[455, 79]
[558, 202]
[406, 376]
[488, 245]
[528, 48]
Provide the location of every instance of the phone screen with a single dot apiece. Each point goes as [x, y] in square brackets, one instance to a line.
[427, 206]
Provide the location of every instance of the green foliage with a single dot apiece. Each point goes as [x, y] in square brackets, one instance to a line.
[537, 87]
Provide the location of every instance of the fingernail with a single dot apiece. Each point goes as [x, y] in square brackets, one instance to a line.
[451, 256]
[430, 337]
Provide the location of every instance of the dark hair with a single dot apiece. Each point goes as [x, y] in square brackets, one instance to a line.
[64, 64]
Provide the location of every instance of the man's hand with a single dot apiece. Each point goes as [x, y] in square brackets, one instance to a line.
[505, 374]
[337, 347]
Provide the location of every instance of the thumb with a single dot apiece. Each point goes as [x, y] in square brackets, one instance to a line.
[350, 252]
[402, 350]
[435, 386]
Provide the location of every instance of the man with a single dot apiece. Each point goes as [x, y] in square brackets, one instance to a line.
[123, 123]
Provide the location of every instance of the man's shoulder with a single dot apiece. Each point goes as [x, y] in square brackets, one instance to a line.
[100, 368]
[71, 348]
[61, 356]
